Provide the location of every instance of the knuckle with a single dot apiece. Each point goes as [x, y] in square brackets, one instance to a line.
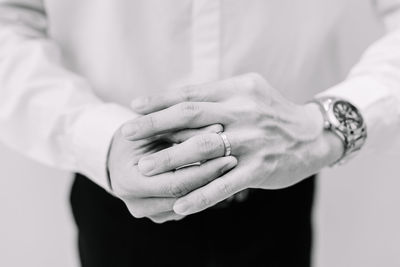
[225, 189]
[147, 100]
[189, 111]
[122, 190]
[122, 193]
[166, 160]
[254, 76]
[130, 189]
[251, 81]
[188, 93]
[178, 189]
[148, 122]
[203, 201]
[206, 144]
[136, 212]
[152, 122]
[251, 107]
[255, 112]
[248, 110]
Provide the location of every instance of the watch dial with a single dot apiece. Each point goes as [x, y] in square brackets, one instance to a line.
[347, 115]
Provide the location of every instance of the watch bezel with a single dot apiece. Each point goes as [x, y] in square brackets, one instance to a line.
[337, 124]
[353, 139]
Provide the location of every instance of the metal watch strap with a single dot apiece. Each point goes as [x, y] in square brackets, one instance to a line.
[352, 142]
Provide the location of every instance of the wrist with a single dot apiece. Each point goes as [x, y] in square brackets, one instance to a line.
[327, 148]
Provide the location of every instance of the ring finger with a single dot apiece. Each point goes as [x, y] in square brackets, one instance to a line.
[196, 149]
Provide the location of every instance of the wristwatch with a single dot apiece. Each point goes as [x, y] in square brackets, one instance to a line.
[345, 120]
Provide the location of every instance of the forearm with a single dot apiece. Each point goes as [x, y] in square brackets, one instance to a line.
[373, 84]
[47, 112]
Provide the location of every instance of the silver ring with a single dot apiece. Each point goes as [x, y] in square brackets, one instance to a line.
[227, 145]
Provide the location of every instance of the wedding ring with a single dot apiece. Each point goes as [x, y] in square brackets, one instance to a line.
[227, 145]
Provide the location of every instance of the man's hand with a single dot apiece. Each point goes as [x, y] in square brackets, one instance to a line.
[278, 143]
[154, 197]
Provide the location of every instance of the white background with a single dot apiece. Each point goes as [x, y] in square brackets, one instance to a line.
[357, 213]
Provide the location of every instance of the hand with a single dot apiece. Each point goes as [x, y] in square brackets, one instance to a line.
[278, 143]
[154, 197]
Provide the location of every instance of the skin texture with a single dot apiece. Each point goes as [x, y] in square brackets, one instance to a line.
[154, 197]
[277, 143]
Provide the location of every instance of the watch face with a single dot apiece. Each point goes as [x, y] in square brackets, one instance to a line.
[347, 115]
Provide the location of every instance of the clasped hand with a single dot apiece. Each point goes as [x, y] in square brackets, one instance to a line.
[275, 143]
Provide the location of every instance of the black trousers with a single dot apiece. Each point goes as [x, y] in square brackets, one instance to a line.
[271, 228]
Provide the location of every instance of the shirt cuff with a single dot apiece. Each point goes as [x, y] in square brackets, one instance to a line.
[377, 106]
[92, 136]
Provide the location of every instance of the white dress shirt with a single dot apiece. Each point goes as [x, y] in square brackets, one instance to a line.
[68, 69]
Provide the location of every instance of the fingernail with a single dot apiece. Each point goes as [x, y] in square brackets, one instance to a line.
[129, 130]
[146, 165]
[181, 207]
[137, 103]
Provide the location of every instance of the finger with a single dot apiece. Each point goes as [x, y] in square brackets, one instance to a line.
[166, 216]
[242, 196]
[242, 141]
[185, 180]
[183, 135]
[146, 207]
[198, 148]
[230, 199]
[207, 92]
[187, 115]
[212, 193]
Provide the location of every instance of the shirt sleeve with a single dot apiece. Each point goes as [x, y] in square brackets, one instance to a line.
[47, 112]
[373, 84]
